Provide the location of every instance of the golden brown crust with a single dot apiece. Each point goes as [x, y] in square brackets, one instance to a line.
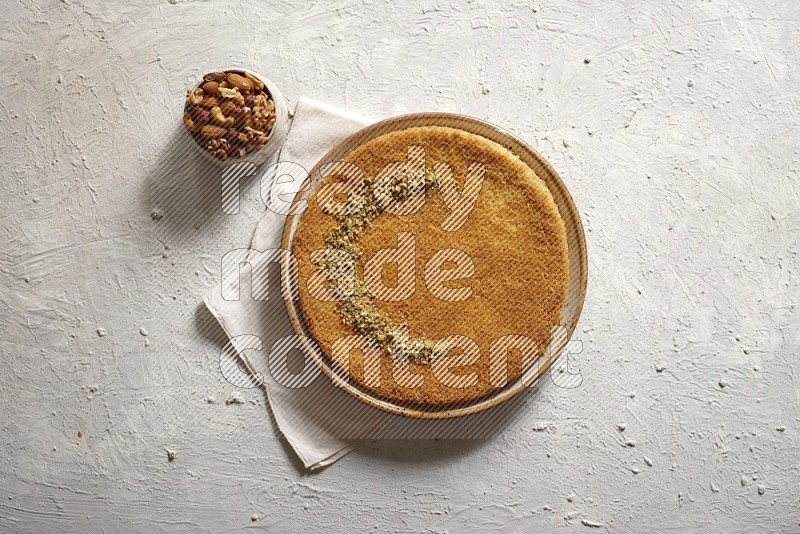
[514, 236]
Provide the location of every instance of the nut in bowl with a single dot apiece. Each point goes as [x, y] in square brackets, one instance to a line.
[236, 115]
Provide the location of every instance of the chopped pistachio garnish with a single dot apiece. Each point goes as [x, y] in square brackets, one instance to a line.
[358, 310]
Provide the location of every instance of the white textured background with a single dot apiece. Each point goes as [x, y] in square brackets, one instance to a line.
[679, 141]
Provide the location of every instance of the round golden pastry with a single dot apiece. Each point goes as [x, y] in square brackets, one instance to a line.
[514, 236]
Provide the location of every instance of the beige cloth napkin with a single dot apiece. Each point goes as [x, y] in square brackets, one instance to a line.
[321, 422]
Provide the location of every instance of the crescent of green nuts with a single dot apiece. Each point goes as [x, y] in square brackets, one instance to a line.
[356, 308]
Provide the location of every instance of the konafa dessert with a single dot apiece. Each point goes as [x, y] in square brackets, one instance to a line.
[432, 266]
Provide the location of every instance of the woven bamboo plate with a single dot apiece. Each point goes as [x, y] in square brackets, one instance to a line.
[576, 284]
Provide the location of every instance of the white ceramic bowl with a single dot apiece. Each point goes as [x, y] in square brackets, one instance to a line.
[277, 135]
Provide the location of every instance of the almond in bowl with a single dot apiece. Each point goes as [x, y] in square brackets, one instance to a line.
[236, 115]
